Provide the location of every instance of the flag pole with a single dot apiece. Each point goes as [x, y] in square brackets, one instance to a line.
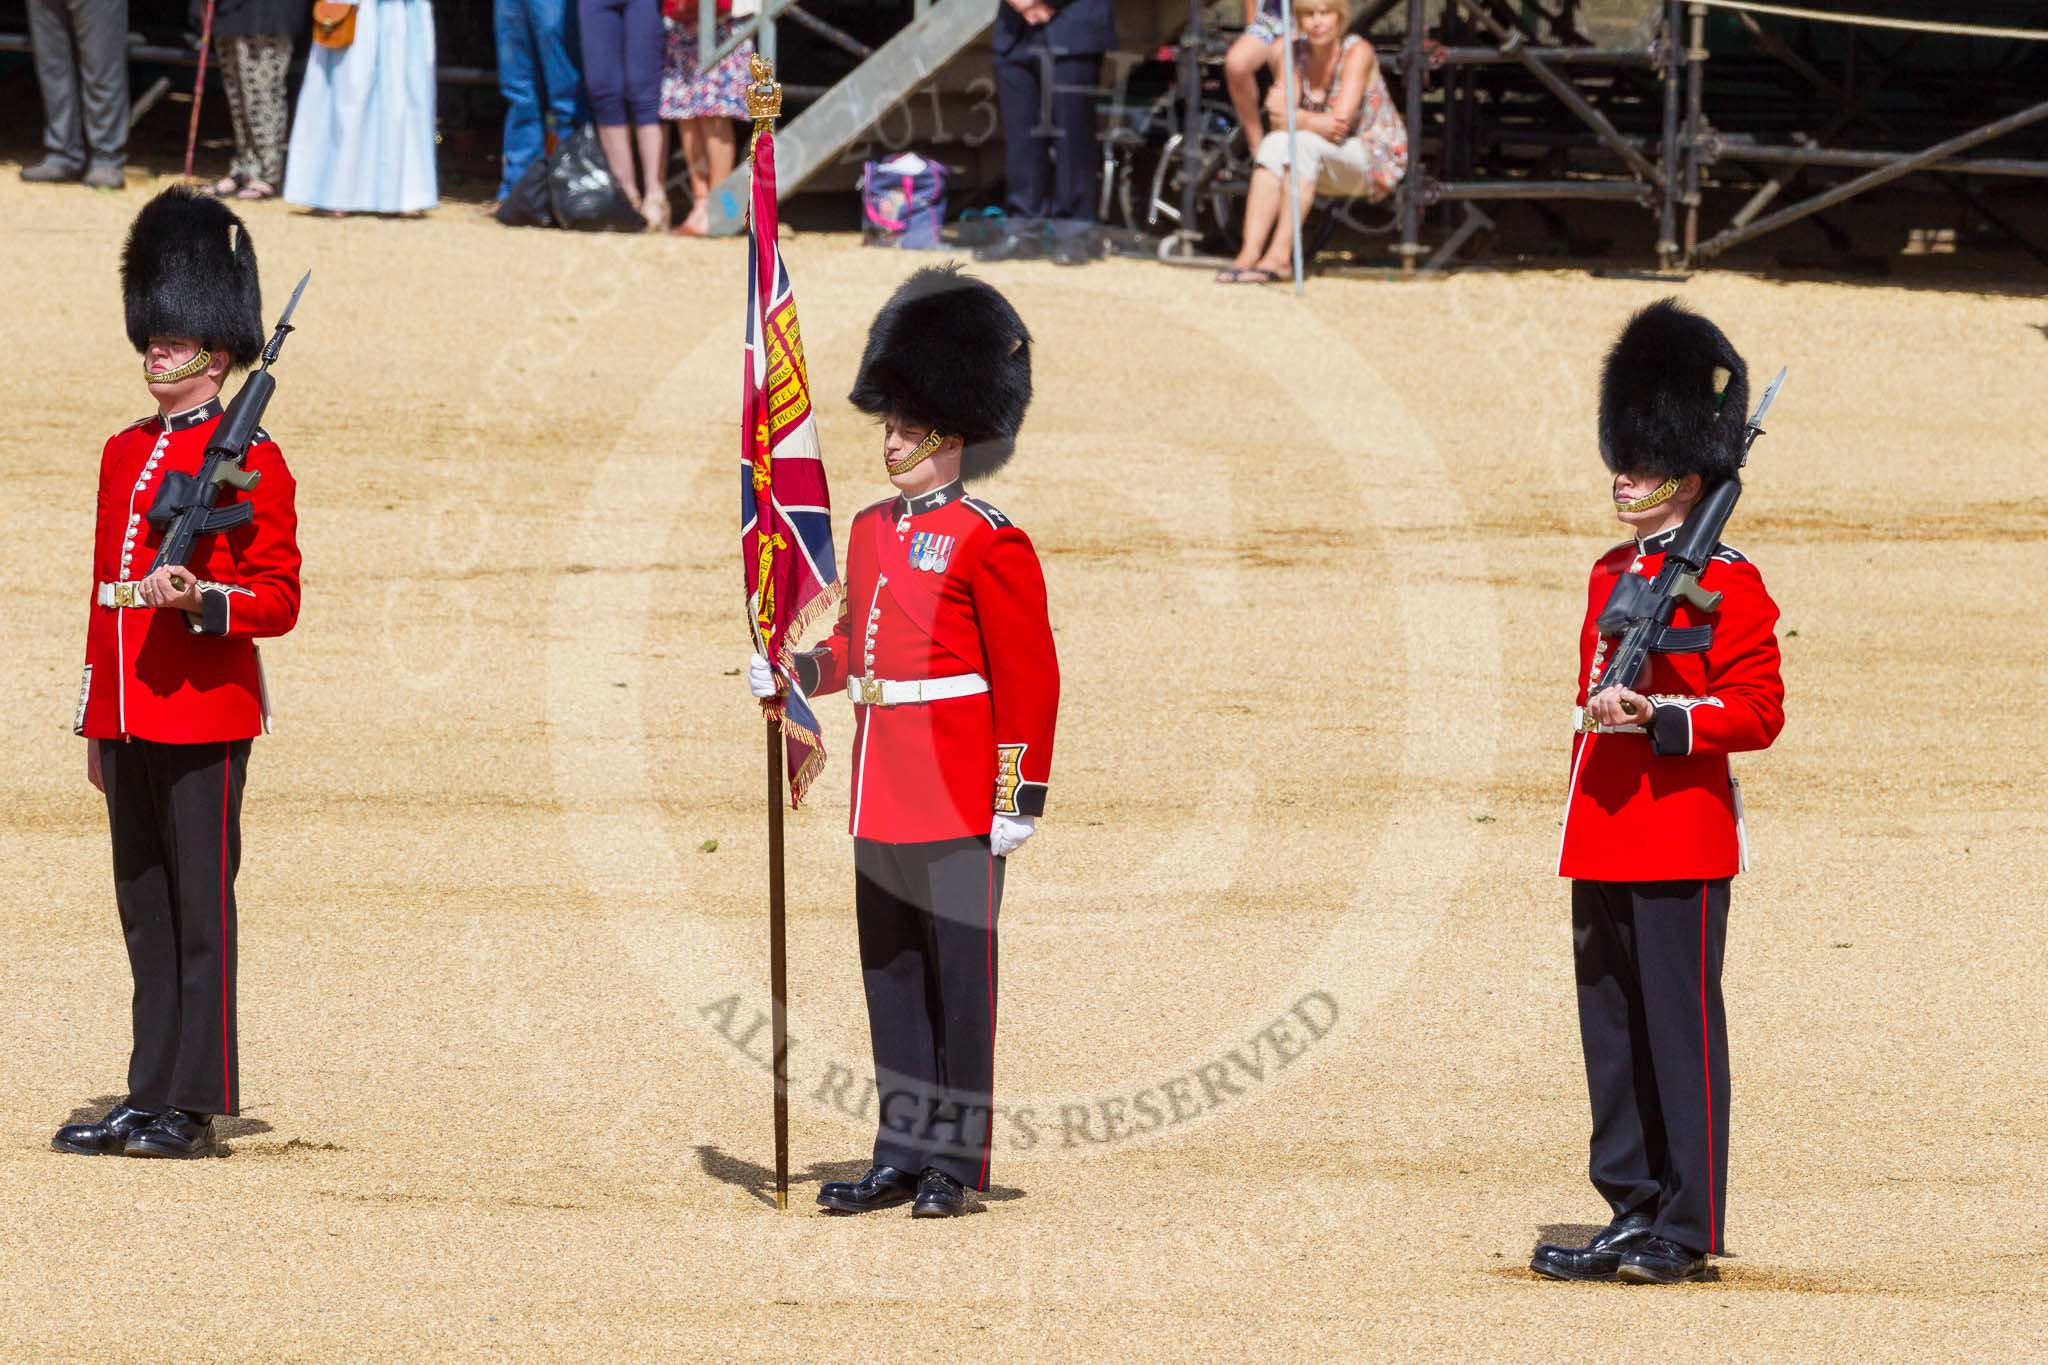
[764, 102]
[778, 965]
[1287, 76]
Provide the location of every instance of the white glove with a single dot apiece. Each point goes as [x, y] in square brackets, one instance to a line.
[760, 677]
[1009, 832]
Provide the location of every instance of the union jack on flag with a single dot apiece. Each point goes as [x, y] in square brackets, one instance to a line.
[792, 579]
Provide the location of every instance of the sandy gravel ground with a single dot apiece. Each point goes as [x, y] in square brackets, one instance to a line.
[1287, 1016]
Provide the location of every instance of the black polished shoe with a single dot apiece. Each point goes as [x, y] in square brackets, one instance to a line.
[1073, 248]
[108, 1136]
[938, 1196]
[175, 1134]
[1013, 245]
[881, 1188]
[1597, 1259]
[1660, 1260]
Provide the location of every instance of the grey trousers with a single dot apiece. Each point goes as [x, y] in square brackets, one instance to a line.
[81, 51]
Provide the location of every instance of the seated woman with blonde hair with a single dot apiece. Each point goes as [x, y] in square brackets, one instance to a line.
[1348, 138]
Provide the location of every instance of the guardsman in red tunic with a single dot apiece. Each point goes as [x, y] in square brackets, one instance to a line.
[172, 690]
[946, 652]
[1653, 826]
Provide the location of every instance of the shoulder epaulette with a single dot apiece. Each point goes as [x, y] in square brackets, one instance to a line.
[987, 512]
[140, 422]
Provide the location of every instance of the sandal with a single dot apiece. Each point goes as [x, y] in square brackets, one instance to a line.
[654, 208]
[222, 188]
[253, 190]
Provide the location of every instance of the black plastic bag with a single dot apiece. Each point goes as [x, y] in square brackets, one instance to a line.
[527, 205]
[582, 192]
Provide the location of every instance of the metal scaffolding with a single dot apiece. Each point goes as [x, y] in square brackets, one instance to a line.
[1509, 100]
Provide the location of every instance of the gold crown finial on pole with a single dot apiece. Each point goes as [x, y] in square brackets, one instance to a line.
[764, 92]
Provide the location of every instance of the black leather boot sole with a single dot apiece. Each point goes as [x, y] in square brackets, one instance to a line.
[1661, 1262]
[840, 1204]
[108, 1136]
[173, 1137]
[109, 1146]
[1565, 1263]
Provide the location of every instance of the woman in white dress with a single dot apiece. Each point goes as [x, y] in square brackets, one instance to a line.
[363, 139]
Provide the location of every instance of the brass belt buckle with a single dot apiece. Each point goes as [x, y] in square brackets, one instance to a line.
[124, 594]
[871, 692]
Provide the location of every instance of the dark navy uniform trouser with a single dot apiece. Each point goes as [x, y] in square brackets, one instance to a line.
[1051, 155]
[927, 921]
[175, 812]
[1648, 957]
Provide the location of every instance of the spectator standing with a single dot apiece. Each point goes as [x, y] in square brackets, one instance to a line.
[704, 103]
[363, 141]
[1048, 69]
[539, 77]
[622, 55]
[81, 49]
[1348, 138]
[252, 45]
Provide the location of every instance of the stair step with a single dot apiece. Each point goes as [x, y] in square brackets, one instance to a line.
[844, 113]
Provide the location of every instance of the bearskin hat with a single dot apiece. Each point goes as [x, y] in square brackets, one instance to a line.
[189, 270]
[1674, 397]
[947, 351]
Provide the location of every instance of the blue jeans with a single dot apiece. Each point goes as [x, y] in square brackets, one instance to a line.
[537, 75]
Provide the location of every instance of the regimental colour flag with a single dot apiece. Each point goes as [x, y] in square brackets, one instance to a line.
[792, 580]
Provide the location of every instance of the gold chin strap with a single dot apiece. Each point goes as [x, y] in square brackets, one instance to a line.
[185, 371]
[924, 451]
[1657, 496]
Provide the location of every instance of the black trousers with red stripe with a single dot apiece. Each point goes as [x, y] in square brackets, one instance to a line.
[175, 811]
[927, 918]
[1656, 1040]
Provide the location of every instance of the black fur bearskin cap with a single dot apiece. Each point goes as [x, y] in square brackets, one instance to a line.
[948, 351]
[1674, 397]
[189, 270]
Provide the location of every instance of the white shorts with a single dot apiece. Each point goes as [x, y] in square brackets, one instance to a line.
[1335, 168]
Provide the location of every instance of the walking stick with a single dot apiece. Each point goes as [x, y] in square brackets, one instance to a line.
[1287, 75]
[778, 976]
[198, 87]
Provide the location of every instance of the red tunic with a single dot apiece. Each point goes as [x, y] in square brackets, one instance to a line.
[938, 587]
[173, 676]
[1657, 802]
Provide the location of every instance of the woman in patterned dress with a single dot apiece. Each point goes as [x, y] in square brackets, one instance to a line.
[252, 46]
[1349, 140]
[704, 103]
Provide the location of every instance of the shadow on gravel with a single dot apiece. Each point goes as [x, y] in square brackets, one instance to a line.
[759, 1181]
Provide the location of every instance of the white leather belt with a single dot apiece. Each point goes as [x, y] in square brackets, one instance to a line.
[121, 594]
[882, 692]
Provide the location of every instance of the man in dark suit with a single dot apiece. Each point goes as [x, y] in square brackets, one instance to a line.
[81, 51]
[1048, 69]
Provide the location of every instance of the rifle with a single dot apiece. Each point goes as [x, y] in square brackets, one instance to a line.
[185, 502]
[1639, 609]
